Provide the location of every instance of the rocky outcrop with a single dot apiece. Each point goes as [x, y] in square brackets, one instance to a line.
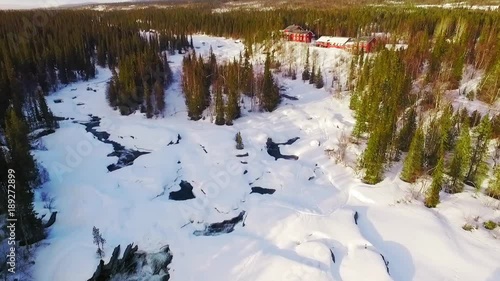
[273, 149]
[185, 193]
[135, 265]
[223, 227]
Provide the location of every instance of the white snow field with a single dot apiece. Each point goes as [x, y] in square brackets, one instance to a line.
[286, 236]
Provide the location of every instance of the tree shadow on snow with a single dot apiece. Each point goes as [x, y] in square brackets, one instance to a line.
[495, 276]
[397, 257]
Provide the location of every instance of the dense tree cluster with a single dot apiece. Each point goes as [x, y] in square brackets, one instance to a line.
[206, 82]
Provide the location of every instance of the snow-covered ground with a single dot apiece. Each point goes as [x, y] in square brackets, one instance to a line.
[322, 223]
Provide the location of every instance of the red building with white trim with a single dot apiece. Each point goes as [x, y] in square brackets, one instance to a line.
[297, 34]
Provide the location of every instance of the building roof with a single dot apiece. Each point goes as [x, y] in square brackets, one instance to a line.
[334, 40]
[295, 29]
[365, 39]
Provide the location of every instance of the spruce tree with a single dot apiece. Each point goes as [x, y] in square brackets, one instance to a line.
[47, 115]
[413, 164]
[159, 94]
[478, 168]
[148, 97]
[239, 141]
[432, 196]
[460, 161]
[219, 104]
[312, 76]
[319, 79]
[494, 184]
[270, 91]
[306, 74]
[371, 159]
[407, 132]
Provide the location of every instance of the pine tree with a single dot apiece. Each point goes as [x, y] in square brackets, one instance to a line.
[319, 79]
[460, 161]
[432, 196]
[413, 164]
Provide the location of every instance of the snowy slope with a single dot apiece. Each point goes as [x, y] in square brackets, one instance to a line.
[306, 230]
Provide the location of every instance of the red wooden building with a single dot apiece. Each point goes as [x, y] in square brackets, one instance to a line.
[367, 43]
[297, 33]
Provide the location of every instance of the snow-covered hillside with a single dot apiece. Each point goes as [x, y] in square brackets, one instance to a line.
[321, 223]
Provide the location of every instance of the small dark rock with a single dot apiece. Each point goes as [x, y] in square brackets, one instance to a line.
[261, 190]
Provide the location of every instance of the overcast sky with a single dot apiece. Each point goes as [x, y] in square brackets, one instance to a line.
[29, 4]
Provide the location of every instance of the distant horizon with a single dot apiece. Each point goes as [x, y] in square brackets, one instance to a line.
[47, 4]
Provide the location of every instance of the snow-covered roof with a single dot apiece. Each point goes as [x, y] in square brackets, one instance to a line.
[396, 46]
[334, 40]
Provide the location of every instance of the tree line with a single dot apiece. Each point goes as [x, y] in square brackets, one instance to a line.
[207, 82]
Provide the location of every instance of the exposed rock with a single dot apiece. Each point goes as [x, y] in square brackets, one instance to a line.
[273, 149]
[58, 101]
[261, 190]
[41, 133]
[179, 138]
[219, 228]
[58, 118]
[289, 97]
[135, 265]
[356, 216]
[185, 193]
